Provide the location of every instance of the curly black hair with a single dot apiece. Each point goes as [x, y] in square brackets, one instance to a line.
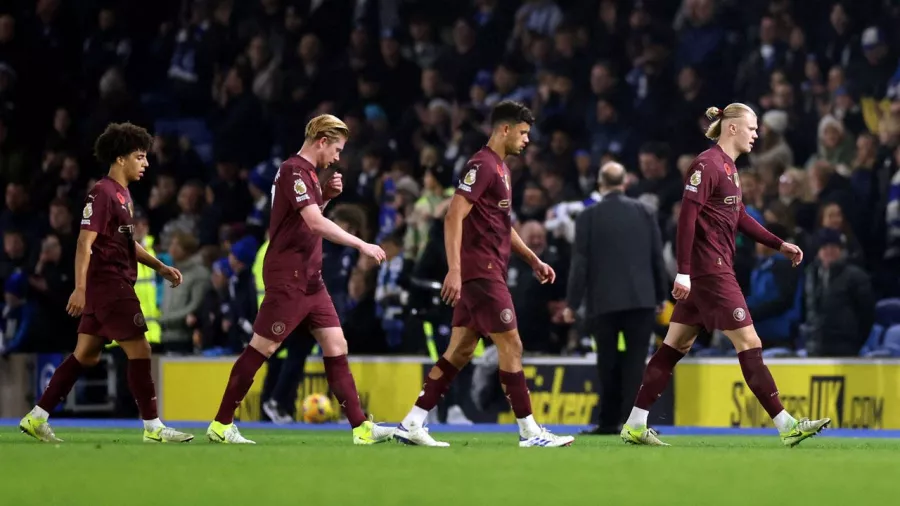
[509, 111]
[121, 139]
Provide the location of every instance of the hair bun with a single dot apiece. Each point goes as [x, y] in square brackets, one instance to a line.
[713, 113]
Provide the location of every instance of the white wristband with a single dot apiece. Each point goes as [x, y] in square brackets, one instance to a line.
[683, 280]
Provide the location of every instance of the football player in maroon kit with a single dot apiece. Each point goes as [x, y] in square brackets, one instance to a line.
[105, 272]
[479, 238]
[706, 290]
[295, 293]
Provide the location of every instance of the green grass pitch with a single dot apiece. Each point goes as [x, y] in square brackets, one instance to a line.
[113, 467]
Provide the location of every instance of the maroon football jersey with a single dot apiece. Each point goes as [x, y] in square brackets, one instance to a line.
[713, 182]
[294, 257]
[486, 230]
[109, 212]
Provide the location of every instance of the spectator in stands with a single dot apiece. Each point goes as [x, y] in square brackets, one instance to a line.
[840, 305]
[17, 316]
[536, 303]
[50, 281]
[62, 225]
[659, 187]
[15, 254]
[772, 147]
[831, 216]
[338, 261]
[242, 288]
[210, 331]
[794, 191]
[179, 306]
[190, 204]
[774, 296]
[390, 289]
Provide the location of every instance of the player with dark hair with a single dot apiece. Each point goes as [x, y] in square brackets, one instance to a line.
[105, 272]
[478, 239]
[295, 293]
[706, 290]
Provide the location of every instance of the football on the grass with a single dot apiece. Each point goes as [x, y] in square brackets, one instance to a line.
[317, 409]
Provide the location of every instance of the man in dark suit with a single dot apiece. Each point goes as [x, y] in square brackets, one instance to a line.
[618, 275]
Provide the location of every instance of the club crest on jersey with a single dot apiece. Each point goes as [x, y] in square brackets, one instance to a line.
[278, 328]
[506, 315]
[130, 207]
[139, 320]
[695, 178]
[739, 314]
[737, 179]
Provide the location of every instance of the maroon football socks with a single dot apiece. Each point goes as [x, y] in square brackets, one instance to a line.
[760, 381]
[435, 388]
[657, 375]
[239, 383]
[61, 383]
[340, 380]
[140, 382]
[516, 392]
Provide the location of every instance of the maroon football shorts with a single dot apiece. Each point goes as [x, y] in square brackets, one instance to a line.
[117, 317]
[715, 303]
[284, 308]
[485, 306]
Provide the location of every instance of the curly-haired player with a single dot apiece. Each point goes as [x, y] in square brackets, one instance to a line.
[105, 271]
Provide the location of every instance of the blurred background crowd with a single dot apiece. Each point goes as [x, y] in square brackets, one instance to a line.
[227, 87]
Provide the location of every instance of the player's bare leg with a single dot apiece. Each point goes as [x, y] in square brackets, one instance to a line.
[512, 378]
[657, 375]
[459, 352]
[761, 383]
[340, 380]
[140, 382]
[223, 429]
[86, 355]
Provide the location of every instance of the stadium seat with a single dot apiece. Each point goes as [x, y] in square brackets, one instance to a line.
[887, 312]
[873, 341]
[890, 345]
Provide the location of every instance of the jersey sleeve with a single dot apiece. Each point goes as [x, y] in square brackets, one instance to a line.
[299, 189]
[477, 178]
[701, 180]
[96, 213]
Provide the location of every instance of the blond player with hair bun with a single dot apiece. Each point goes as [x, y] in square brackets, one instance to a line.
[706, 291]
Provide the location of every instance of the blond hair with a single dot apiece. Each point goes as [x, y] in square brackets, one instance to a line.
[716, 115]
[328, 126]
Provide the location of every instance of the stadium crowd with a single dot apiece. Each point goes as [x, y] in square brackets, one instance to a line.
[228, 85]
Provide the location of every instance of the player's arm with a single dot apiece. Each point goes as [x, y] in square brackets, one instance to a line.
[86, 239]
[320, 225]
[752, 229]
[697, 189]
[171, 274]
[146, 258]
[520, 248]
[459, 209]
